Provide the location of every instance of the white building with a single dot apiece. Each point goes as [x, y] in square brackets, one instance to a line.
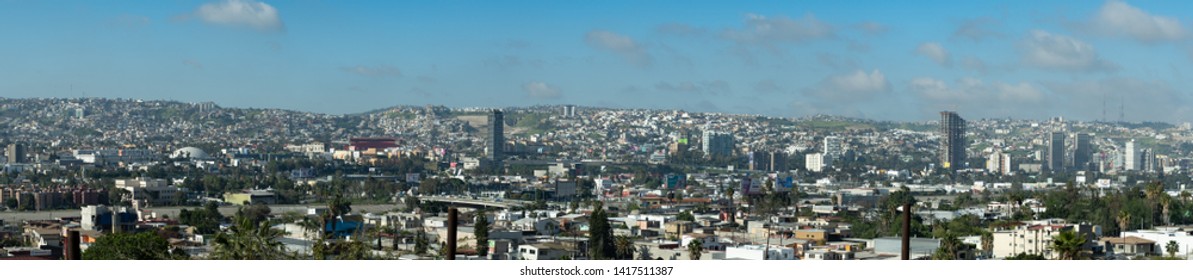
[1131, 157]
[817, 162]
[999, 163]
[759, 252]
[1162, 236]
[542, 251]
[1035, 238]
[152, 191]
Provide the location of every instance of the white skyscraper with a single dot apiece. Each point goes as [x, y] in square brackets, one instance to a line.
[817, 162]
[1131, 156]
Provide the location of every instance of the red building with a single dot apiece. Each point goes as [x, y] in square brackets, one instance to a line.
[375, 143]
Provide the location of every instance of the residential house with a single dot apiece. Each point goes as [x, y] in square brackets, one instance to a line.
[1129, 246]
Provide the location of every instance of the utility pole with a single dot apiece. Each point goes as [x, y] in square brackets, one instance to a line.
[452, 214]
[906, 250]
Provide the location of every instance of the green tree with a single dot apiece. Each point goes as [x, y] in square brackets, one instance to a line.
[481, 231]
[420, 242]
[130, 246]
[11, 203]
[694, 249]
[624, 246]
[1172, 247]
[1124, 221]
[411, 203]
[205, 220]
[987, 242]
[1153, 192]
[245, 240]
[949, 248]
[256, 213]
[1165, 202]
[600, 235]
[685, 216]
[1069, 245]
[336, 207]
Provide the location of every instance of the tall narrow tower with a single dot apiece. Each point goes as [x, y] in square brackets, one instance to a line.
[1083, 153]
[496, 139]
[1056, 151]
[952, 140]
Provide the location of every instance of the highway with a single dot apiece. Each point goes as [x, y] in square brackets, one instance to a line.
[15, 216]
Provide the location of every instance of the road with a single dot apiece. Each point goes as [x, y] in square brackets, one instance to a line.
[14, 216]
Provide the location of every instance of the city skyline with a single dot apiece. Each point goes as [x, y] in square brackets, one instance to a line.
[1082, 61]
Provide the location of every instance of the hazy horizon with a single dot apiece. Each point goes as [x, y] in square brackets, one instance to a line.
[891, 61]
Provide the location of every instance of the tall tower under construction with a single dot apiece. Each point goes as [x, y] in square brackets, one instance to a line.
[952, 140]
[496, 137]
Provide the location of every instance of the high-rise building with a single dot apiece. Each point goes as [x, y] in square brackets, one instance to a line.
[569, 111]
[816, 162]
[766, 161]
[1056, 152]
[778, 161]
[999, 163]
[952, 140]
[496, 144]
[1083, 153]
[1131, 156]
[833, 147]
[1147, 160]
[717, 143]
[16, 153]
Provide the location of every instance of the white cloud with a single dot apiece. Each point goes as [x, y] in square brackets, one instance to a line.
[680, 29]
[542, 90]
[767, 86]
[856, 85]
[1151, 100]
[766, 31]
[978, 98]
[710, 87]
[975, 91]
[859, 81]
[978, 29]
[620, 44]
[380, 71]
[244, 13]
[1120, 19]
[1057, 52]
[873, 28]
[935, 52]
[192, 63]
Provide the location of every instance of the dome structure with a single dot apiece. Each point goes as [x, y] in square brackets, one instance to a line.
[189, 153]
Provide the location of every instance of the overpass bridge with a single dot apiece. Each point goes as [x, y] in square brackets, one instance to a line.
[476, 203]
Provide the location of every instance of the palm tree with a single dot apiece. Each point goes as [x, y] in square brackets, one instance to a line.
[987, 241]
[1124, 221]
[1068, 245]
[1172, 247]
[336, 207]
[1185, 196]
[694, 248]
[949, 247]
[248, 241]
[1153, 191]
[1165, 201]
[309, 226]
[624, 247]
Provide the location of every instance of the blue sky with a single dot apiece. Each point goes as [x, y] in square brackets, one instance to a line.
[888, 60]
